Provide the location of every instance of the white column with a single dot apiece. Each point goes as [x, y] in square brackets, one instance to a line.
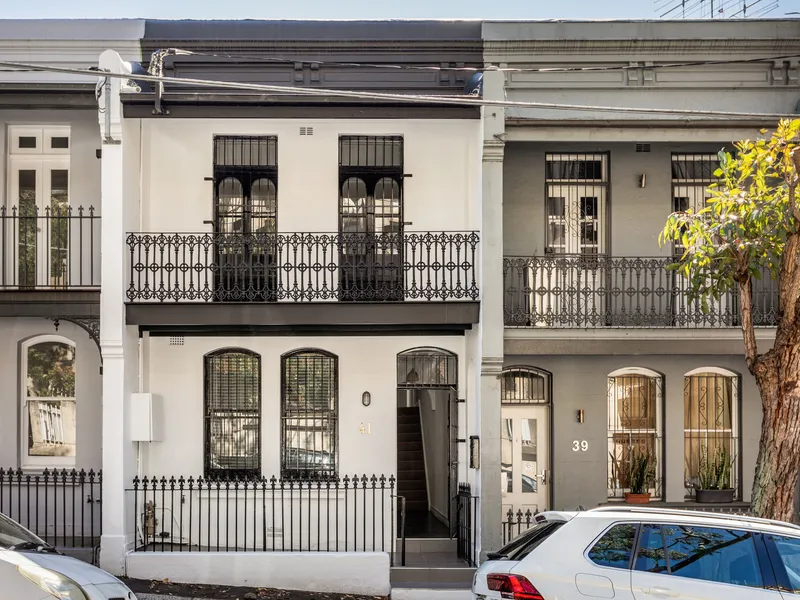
[491, 313]
[118, 346]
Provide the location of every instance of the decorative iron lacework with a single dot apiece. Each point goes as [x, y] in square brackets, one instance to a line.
[635, 425]
[186, 267]
[427, 367]
[309, 415]
[232, 390]
[567, 291]
[710, 424]
[523, 385]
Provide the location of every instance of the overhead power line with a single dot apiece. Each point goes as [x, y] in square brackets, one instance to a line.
[714, 9]
[280, 90]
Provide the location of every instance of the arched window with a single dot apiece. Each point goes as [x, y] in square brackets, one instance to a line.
[309, 414]
[427, 367]
[524, 385]
[232, 390]
[710, 425]
[635, 427]
[49, 417]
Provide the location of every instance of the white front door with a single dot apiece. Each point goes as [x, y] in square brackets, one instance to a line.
[525, 459]
[38, 237]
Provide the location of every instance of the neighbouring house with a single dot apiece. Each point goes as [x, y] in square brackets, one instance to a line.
[604, 353]
[290, 304]
[50, 236]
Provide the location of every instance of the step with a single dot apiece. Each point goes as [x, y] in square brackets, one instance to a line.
[414, 446]
[409, 455]
[452, 577]
[410, 475]
[409, 436]
[408, 428]
[410, 465]
[430, 545]
[430, 593]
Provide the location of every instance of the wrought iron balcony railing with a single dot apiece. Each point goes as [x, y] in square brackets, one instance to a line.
[593, 291]
[299, 267]
[53, 248]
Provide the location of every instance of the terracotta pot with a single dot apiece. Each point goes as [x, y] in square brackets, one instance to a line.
[714, 496]
[637, 498]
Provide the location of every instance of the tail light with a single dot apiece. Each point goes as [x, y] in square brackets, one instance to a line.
[514, 587]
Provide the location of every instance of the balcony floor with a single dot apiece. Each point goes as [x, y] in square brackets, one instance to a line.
[82, 303]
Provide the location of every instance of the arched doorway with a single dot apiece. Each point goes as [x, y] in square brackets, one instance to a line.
[427, 440]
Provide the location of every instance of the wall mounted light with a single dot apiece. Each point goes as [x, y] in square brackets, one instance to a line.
[366, 398]
[580, 416]
[474, 452]
[643, 180]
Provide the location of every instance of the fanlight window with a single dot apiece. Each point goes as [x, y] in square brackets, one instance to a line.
[427, 367]
[524, 386]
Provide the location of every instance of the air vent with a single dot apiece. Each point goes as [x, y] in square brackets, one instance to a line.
[643, 147]
[176, 340]
[306, 131]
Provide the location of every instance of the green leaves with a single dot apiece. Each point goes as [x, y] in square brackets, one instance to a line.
[743, 228]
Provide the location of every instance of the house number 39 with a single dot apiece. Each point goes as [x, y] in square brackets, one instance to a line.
[580, 446]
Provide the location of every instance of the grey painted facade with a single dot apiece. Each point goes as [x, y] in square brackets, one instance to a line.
[577, 360]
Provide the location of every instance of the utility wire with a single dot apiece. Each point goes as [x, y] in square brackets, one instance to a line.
[408, 98]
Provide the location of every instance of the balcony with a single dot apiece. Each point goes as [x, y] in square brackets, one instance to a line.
[425, 279]
[50, 261]
[594, 291]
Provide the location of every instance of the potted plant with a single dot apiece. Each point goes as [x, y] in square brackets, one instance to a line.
[641, 476]
[714, 478]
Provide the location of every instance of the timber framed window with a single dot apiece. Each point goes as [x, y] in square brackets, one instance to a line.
[49, 423]
[635, 426]
[309, 414]
[576, 199]
[232, 390]
[692, 174]
[524, 385]
[710, 423]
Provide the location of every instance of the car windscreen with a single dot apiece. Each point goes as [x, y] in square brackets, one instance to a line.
[13, 534]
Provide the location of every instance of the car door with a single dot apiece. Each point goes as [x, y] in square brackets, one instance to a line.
[607, 573]
[685, 561]
[784, 553]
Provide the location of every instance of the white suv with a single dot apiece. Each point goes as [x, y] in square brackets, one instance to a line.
[644, 554]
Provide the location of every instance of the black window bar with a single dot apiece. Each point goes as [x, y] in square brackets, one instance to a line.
[635, 426]
[245, 217]
[371, 218]
[523, 385]
[232, 390]
[309, 415]
[711, 426]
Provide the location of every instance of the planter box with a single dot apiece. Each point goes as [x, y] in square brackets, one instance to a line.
[637, 498]
[714, 496]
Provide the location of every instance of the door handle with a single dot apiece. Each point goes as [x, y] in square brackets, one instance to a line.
[543, 476]
[661, 592]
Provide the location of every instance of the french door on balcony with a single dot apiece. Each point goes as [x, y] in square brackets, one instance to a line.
[371, 218]
[36, 227]
[245, 218]
[246, 240]
[576, 223]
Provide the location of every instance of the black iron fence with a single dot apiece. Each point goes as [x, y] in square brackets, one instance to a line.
[466, 516]
[63, 507]
[264, 267]
[516, 523]
[566, 291]
[51, 248]
[349, 514]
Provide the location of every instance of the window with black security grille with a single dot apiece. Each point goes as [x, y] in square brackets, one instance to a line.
[635, 429]
[427, 367]
[309, 415]
[371, 217]
[524, 385]
[245, 217]
[232, 390]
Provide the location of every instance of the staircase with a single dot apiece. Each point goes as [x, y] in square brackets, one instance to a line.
[411, 483]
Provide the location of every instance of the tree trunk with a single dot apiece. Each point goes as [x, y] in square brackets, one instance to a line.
[778, 465]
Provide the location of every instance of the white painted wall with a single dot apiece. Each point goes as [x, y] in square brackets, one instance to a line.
[440, 154]
[433, 410]
[365, 364]
[344, 573]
